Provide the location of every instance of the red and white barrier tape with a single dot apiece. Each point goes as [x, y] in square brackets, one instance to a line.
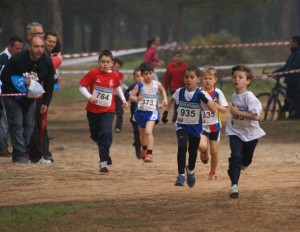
[12, 94]
[173, 47]
[266, 44]
[264, 76]
[285, 73]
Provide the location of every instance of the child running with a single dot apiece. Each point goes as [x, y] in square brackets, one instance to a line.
[242, 128]
[211, 121]
[136, 134]
[145, 94]
[117, 64]
[102, 83]
[188, 123]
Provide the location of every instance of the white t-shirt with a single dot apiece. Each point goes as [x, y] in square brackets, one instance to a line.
[245, 129]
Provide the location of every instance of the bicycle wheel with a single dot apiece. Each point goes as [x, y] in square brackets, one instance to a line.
[271, 108]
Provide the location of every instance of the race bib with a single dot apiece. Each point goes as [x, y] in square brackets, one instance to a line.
[104, 96]
[188, 113]
[209, 118]
[148, 103]
[237, 121]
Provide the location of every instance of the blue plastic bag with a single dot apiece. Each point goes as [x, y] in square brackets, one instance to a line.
[19, 82]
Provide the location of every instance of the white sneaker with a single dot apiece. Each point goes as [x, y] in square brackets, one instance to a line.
[234, 191]
[103, 167]
[43, 161]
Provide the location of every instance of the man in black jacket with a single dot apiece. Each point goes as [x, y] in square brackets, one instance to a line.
[20, 110]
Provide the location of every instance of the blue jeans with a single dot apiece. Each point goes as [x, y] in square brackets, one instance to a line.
[241, 154]
[101, 133]
[20, 119]
[4, 129]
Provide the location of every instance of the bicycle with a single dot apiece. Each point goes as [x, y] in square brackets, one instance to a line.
[272, 101]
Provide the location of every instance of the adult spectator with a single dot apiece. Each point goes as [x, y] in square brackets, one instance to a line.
[39, 143]
[174, 76]
[15, 45]
[34, 29]
[20, 110]
[151, 54]
[292, 80]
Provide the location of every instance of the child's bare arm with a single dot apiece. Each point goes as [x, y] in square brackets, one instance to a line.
[133, 97]
[221, 109]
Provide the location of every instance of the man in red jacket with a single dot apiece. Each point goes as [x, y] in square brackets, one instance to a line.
[174, 76]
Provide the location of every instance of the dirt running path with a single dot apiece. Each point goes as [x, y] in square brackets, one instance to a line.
[269, 189]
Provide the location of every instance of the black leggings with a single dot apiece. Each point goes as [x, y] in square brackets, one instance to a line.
[186, 142]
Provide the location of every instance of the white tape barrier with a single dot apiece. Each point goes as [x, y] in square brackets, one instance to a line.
[86, 57]
[222, 79]
[79, 58]
[162, 70]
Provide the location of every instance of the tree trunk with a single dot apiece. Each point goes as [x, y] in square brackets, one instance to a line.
[56, 14]
[17, 19]
[174, 27]
[95, 38]
[68, 32]
[286, 22]
[112, 22]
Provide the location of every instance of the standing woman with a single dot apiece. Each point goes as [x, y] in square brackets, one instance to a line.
[151, 54]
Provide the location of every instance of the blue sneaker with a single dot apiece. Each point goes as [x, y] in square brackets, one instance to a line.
[180, 180]
[191, 178]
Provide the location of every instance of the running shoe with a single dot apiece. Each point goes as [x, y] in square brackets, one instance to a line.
[144, 153]
[204, 157]
[191, 178]
[212, 176]
[138, 152]
[5, 153]
[103, 167]
[44, 161]
[180, 180]
[234, 191]
[148, 158]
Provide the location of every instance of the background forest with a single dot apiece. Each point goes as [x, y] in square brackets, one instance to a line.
[91, 25]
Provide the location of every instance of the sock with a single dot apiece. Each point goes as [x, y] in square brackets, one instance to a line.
[144, 147]
[149, 152]
[190, 171]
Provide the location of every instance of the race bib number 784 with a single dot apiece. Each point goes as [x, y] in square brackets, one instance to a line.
[104, 96]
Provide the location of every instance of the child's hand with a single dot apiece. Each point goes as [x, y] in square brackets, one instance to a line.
[165, 103]
[234, 110]
[125, 104]
[93, 100]
[140, 97]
